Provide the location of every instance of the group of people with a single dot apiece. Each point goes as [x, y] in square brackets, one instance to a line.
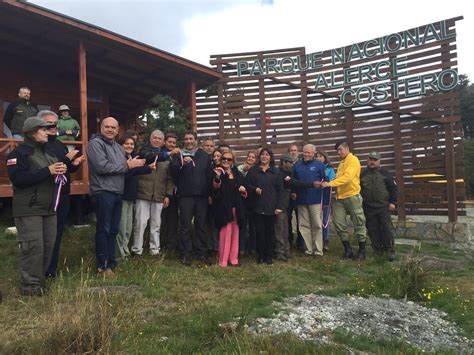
[194, 199]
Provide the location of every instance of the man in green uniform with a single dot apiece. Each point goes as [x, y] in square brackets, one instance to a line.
[379, 192]
[17, 112]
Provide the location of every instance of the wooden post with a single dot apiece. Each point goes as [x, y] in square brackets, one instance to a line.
[192, 100]
[261, 99]
[398, 152]
[349, 128]
[220, 103]
[83, 107]
[451, 172]
[1, 115]
[304, 101]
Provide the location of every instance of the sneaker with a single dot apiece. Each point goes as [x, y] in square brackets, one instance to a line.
[282, 258]
[154, 252]
[186, 261]
[391, 256]
[107, 273]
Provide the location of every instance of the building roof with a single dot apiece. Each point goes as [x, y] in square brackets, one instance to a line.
[130, 71]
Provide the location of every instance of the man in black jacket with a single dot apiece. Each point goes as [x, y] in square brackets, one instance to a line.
[56, 148]
[379, 192]
[192, 173]
[17, 112]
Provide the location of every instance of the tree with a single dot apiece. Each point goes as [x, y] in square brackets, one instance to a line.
[167, 115]
[467, 106]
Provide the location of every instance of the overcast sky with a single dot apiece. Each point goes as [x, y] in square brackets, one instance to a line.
[197, 29]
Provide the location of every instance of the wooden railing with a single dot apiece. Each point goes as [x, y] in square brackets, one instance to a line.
[79, 179]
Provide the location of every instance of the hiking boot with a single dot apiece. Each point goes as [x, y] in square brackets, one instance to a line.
[282, 258]
[361, 252]
[107, 273]
[325, 245]
[33, 291]
[377, 251]
[391, 255]
[348, 254]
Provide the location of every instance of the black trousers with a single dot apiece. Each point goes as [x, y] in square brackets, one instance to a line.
[265, 226]
[379, 227]
[190, 207]
[61, 216]
[169, 225]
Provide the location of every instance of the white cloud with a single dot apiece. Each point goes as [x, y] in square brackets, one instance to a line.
[319, 26]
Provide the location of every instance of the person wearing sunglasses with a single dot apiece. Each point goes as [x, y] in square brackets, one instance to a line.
[228, 192]
[56, 148]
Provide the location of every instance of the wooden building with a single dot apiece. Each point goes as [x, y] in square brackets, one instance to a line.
[96, 72]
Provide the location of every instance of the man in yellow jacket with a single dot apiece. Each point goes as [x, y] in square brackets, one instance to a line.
[348, 201]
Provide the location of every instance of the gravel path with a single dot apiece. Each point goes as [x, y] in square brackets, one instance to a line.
[312, 317]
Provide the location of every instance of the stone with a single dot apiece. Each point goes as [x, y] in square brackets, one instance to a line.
[447, 227]
[411, 232]
[460, 233]
[429, 231]
[313, 317]
[11, 232]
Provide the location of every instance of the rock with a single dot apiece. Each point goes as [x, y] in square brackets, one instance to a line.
[447, 227]
[429, 231]
[460, 233]
[311, 317]
[11, 232]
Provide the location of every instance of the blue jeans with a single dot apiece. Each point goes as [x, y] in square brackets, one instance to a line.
[108, 209]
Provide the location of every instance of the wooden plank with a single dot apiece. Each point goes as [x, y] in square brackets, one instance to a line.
[192, 99]
[83, 107]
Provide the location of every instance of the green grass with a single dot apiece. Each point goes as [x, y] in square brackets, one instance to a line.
[159, 306]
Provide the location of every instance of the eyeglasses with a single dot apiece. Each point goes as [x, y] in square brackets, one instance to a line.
[227, 159]
[51, 126]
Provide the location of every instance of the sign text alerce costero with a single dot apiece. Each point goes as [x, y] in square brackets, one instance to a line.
[371, 81]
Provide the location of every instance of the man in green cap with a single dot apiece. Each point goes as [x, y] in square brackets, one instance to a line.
[68, 127]
[379, 193]
[282, 243]
[17, 112]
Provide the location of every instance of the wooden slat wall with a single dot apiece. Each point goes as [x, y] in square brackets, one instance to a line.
[414, 135]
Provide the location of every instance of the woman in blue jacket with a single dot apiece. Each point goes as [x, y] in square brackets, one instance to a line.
[326, 202]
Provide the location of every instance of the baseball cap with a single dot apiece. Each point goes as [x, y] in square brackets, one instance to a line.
[374, 155]
[287, 157]
[34, 122]
[64, 108]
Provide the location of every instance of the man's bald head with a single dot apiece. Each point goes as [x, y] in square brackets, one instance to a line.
[109, 128]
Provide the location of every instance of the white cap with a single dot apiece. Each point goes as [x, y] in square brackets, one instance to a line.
[64, 108]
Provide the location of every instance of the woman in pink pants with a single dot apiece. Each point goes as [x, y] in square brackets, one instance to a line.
[228, 191]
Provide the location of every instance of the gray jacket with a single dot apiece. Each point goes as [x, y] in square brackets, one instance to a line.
[107, 166]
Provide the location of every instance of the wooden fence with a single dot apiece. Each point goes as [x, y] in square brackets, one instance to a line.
[419, 137]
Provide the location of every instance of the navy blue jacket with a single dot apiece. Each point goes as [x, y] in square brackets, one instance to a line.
[130, 189]
[304, 175]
